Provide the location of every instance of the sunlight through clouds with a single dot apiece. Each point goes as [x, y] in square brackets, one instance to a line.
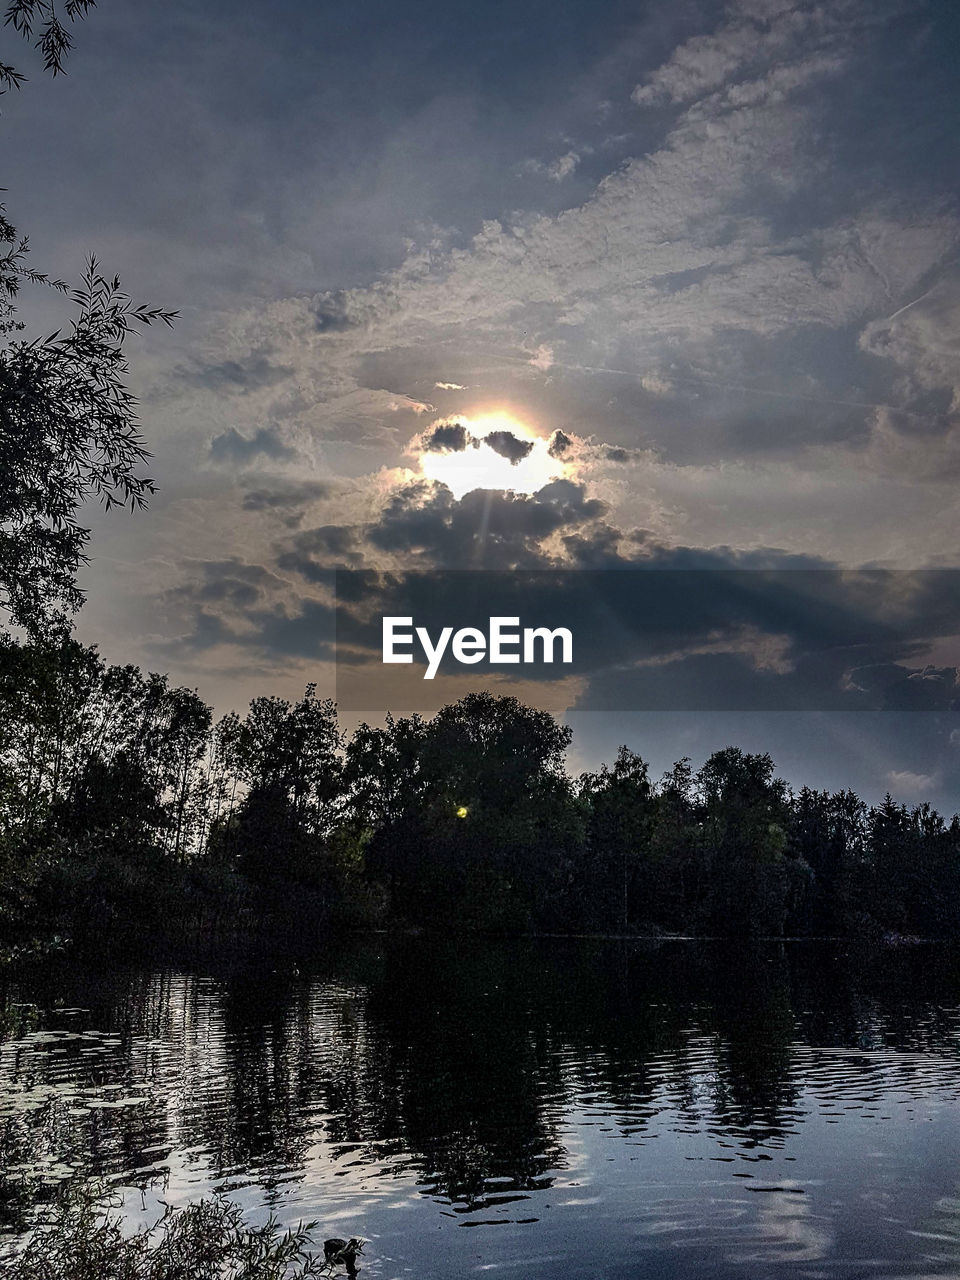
[495, 451]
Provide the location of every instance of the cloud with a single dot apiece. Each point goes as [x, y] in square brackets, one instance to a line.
[315, 553]
[923, 335]
[712, 627]
[656, 384]
[417, 406]
[289, 502]
[289, 495]
[905, 688]
[254, 372]
[903, 782]
[559, 445]
[272, 636]
[920, 440]
[701, 306]
[335, 311]
[914, 447]
[563, 166]
[224, 582]
[542, 358]
[231, 446]
[754, 33]
[556, 170]
[563, 525]
[450, 437]
[508, 445]
[242, 617]
[423, 523]
[663, 258]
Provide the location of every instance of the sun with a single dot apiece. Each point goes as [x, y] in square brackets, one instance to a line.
[480, 466]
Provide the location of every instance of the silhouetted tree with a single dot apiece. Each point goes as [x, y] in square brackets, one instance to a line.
[38, 22]
[621, 808]
[120, 802]
[677, 864]
[477, 812]
[68, 423]
[744, 811]
[829, 834]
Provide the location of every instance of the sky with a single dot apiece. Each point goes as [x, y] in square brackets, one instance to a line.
[537, 286]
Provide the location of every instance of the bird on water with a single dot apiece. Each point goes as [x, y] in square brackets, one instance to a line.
[336, 1250]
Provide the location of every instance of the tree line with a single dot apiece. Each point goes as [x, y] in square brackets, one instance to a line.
[125, 807]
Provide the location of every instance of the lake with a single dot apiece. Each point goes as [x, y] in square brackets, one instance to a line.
[550, 1108]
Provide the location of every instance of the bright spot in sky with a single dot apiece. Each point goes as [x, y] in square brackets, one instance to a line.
[483, 467]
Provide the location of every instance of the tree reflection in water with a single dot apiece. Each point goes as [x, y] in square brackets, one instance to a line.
[476, 1072]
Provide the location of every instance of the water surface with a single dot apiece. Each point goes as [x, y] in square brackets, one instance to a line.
[544, 1109]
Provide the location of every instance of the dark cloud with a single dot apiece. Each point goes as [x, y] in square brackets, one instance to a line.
[293, 495]
[596, 548]
[903, 688]
[308, 632]
[331, 312]
[743, 680]
[614, 454]
[658, 637]
[572, 500]
[315, 552]
[452, 437]
[272, 634]
[494, 528]
[757, 623]
[214, 604]
[508, 445]
[251, 373]
[287, 502]
[662, 628]
[231, 446]
[231, 602]
[208, 631]
[559, 444]
[224, 582]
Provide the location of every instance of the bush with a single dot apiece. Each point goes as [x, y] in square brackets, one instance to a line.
[204, 1241]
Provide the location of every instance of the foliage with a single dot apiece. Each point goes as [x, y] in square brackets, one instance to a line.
[68, 422]
[208, 1240]
[470, 811]
[124, 808]
[29, 18]
[621, 805]
[68, 433]
[745, 814]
